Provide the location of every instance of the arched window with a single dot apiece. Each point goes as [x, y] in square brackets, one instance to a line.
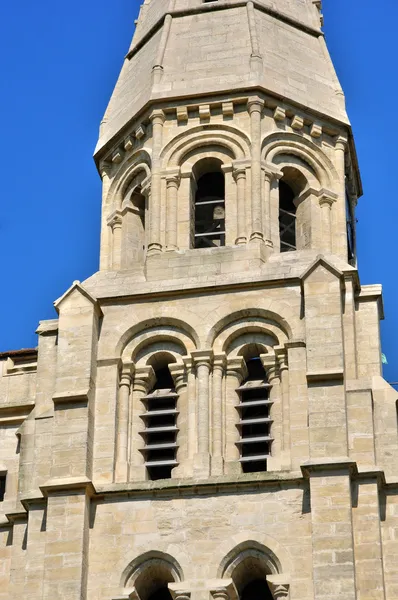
[287, 218]
[209, 204]
[254, 418]
[137, 239]
[160, 433]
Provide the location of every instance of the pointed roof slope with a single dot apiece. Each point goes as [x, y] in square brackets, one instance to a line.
[207, 48]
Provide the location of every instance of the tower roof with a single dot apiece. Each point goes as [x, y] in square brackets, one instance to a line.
[200, 48]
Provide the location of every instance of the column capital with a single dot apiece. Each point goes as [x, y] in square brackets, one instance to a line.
[172, 178]
[157, 117]
[271, 366]
[271, 171]
[126, 374]
[178, 592]
[341, 143]
[327, 198]
[255, 104]
[220, 362]
[115, 219]
[282, 358]
[178, 372]
[279, 586]
[144, 379]
[237, 366]
[202, 357]
[239, 173]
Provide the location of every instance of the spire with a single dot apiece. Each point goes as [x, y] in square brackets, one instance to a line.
[183, 48]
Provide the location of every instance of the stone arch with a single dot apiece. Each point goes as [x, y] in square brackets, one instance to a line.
[310, 154]
[228, 140]
[156, 330]
[148, 571]
[231, 553]
[138, 162]
[266, 321]
[163, 350]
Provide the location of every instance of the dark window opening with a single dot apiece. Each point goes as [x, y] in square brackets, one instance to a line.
[2, 487]
[160, 433]
[256, 590]
[161, 594]
[210, 211]
[287, 218]
[254, 419]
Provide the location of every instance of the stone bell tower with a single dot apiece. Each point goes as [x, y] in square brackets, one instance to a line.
[206, 418]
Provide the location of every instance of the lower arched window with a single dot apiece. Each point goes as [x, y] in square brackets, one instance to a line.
[160, 433]
[254, 418]
[287, 218]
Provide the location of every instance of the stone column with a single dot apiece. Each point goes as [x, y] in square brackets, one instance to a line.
[115, 222]
[217, 461]
[281, 354]
[236, 372]
[105, 250]
[122, 428]
[144, 379]
[326, 202]
[191, 392]
[255, 106]
[178, 374]
[203, 360]
[339, 225]
[270, 176]
[157, 119]
[172, 183]
[271, 366]
[240, 178]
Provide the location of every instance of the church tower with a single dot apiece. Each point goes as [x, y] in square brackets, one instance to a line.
[206, 418]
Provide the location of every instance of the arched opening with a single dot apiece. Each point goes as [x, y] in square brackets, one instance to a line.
[249, 565]
[153, 579]
[137, 239]
[287, 218]
[209, 204]
[160, 418]
[256, 590]
[254, 415]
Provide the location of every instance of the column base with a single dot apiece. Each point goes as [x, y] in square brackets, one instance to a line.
[154, 249]
[257, 236]
[217, 465]
[241, 241]
[201, 466]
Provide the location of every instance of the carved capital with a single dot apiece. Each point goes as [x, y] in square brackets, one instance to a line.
[220, 362]
[157, 117]
[279, 587]
[126, 374]
[178, 374]
[115, 220]
[236, 367]
[327, 198]
[255, 104]
[202, 358]
[144, 379]
[271, 367]
[341, 143]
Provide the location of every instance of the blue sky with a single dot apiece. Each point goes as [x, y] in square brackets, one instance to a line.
[60, 61]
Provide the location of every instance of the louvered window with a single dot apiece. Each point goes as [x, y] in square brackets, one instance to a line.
[254, 421]
[160, 433]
